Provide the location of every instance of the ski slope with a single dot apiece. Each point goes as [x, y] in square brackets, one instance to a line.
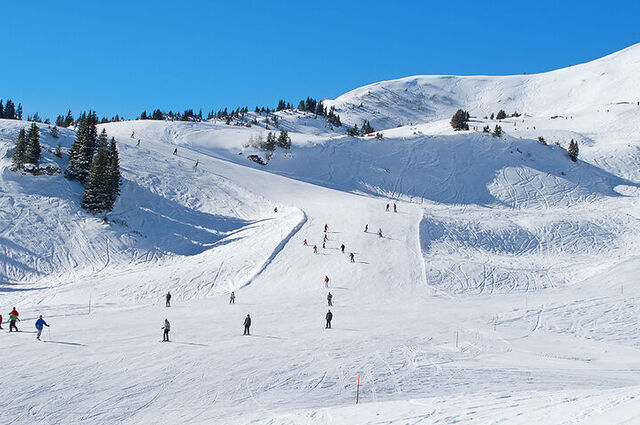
[503, 290]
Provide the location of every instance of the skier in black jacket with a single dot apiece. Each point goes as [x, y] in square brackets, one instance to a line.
[247, 325]
[329, 316]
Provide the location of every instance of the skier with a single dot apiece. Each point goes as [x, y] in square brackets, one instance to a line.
[352, 257]
[387, 208]
[133, 134]
[40, 323]
[175, 151]
[324, 245]
[13, 317]
[304, 242]
[395, 209]
[326, 281]
[326, 226]
[1, 322]
[275, 210]
[379, 232]
[315, 249]
[232, 298]
[342, 248]
[329, 316]
[325, 238]
[366, 228]
[138, 144]
[168, 296]
[166, 328]
[329, 297]
[247, 325]
[197, 161]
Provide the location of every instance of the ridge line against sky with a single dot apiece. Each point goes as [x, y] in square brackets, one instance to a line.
[134, 56]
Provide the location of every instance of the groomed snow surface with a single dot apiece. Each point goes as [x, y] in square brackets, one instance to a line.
[504, 290]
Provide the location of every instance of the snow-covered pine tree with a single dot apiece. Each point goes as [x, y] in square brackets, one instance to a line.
[103, 140]
[270, 144]
[83, 149]
[353, 131]
[573, 150]
[32, 151]
[96, 194]
[19, 151]
[114, 174]
[366, 128]
[501, 115]
[497, 131]
[284, 141]
[459, 120]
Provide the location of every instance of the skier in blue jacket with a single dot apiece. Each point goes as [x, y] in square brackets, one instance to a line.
[40, 324]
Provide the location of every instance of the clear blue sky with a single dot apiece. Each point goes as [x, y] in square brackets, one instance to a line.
[126, 56]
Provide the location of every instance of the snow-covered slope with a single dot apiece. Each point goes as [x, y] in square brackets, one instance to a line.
[503, 289]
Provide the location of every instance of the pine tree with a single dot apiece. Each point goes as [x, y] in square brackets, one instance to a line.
[83, 149]
[32, 151]
[270, 144]
[573, 150]
[103, 140]
[1, 109]
[353, 131]
[68, 120]
[459, 120]
[501, 115]
[19, 151]
[10, 110]
[497, 132]
[19, 111]
[114, 175]
[96, 194]
[284, 141]
[491, 117]
[366, 128]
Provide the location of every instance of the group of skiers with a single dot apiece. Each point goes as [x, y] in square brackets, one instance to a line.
[14, 317]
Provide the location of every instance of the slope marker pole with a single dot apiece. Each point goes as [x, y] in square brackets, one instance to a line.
[358, 390]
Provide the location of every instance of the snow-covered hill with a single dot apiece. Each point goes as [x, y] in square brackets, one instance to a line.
[503, 289]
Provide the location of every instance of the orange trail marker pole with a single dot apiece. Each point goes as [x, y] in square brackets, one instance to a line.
[495, 321]
[358, 390]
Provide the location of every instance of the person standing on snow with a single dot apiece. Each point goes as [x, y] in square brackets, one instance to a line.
[352, 257]
[40, 324]
[379, 232]
[138, 144]
[1, 322]
[342, 248]
[366, 228]
[168, 296]
[395, 209]
[315, 249]
[232, 298]
[166, 328]
[387, 208]
[247, 325]
[329, 316]
[175, 151]
[133, 134]
[326, 281]
[323, 245]
[329, 298]
[326, 227]
[325, 238]
[13, 317]
[304, 242]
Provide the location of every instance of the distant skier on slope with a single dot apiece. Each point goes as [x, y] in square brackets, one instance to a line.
[352, 257]
[379, 232]
[342, 248]
[366, 228]
[133, 134]
[326, 281]
[13, 317]
[395, 209]
[329, 298]
[197, 162]
[166, 328]
[40, 324]
[175, 151]
[168, 297]
[315, 249]
[304, 242]
[324, 245]
[387, 208]
[326, 227]
[325, 238]
[247, 325]
[1, 322]
[138, 144]
[232, 298]
[329, 317]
